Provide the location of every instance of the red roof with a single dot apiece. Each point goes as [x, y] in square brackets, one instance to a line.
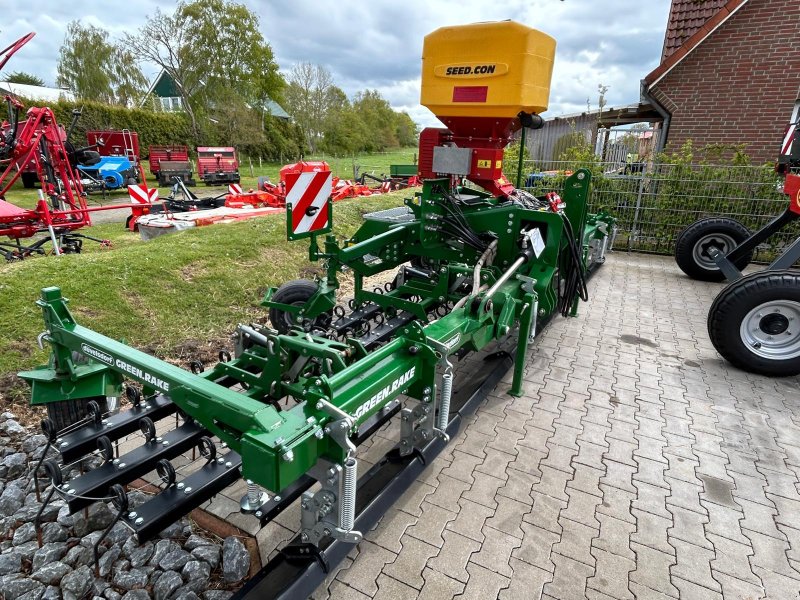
[723, 10]
[685, 18]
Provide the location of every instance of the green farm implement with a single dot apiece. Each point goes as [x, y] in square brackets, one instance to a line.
[468, 263]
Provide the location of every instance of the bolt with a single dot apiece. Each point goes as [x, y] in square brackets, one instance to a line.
[318, 382]
[304, 537]
[320, 405]
[228, 465]
[131, 515]
[277, 498]
[188, 490]
[318, 434]
[508, 231]
[180, 486]
[121, 466]
[757, 345]
[304, 505]
[259, 514]
[331, 472]
[288, 456]
[326, 531]
[342, 425]
[426, 390]
[139, 521]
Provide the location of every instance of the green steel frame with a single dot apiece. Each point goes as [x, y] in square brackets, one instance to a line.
[340, 384]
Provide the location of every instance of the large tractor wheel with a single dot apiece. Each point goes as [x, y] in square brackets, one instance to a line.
[693, 246]
[755, 323]
[68, 412]
[295, 293]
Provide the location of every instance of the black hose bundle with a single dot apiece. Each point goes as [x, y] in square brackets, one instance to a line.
[572, 279]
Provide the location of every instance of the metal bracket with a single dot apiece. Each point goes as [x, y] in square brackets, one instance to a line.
[339, 429]
[321, 511]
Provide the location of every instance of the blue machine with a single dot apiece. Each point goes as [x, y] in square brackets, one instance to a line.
[111, 173]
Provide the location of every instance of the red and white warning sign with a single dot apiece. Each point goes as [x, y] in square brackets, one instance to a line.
[309, 194]
[141, 194]
[235, 189]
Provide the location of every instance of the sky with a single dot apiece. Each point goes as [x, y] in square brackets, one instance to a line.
[377, 44]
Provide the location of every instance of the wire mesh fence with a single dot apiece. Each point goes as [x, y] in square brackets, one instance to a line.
[654, 202]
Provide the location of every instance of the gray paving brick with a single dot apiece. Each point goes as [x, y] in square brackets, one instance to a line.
[576, 541]
[495, 551]
[391, 528]
[688, 526]
[518, 486]
[693, 564]
[431, 523]
[463, 464]
[448, 493]
[653, 570]
[736, 588]
[569, 581]
[470, 520]
[439, 586]
[363, 573]
[689, 589]
[508, 516]
[456, 552]
[611, 574]
[483, 583]
[527, 582]
[345, 592]
[484, 490]
[537, 547]
[770, 553]
[411, 561]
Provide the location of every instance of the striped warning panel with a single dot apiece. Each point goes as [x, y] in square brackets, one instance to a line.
[234, 189]
[309, 197]
[141, 194]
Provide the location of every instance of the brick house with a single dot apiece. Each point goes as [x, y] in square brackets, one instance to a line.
[729, 74]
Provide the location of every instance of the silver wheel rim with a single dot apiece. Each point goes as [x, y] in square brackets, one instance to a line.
[722, 241]
[772, 330]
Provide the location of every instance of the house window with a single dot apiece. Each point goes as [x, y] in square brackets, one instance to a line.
[170, 104]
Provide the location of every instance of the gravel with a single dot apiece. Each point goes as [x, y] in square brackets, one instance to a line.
[181, 565]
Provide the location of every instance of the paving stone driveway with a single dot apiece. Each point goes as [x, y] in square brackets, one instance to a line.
[637, 465]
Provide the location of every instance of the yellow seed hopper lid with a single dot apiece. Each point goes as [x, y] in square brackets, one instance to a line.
[494, 69]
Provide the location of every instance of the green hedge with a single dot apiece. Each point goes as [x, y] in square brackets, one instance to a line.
[279, 139]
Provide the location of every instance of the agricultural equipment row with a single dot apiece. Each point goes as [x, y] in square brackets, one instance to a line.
[467, 267]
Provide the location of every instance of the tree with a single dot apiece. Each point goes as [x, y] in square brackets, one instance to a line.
[310, 97]
[24, 78]
[95, 68]
[210, 48]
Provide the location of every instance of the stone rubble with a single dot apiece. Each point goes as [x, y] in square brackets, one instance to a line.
[181, 565]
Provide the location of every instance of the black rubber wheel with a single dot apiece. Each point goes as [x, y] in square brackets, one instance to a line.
[29, 180]
[67, 412]
[754, 323]
[131, 181]
[693, 245]
[295, 293]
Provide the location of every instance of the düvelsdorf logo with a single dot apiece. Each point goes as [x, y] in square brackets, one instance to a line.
[385, 393]
[96, 354]
[471, 70]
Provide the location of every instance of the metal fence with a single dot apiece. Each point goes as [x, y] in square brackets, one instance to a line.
[654, 202]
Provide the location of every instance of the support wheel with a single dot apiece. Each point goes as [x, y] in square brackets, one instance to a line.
[295, 293]
[692, 248]
[67, 412]
[755, 323]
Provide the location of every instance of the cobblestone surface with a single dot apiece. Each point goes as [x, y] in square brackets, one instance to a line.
[638, 465]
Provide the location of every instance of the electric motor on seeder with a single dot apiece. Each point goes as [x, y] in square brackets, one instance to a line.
[476, 261]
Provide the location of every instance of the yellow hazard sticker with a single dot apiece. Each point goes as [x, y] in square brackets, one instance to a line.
[484, 164]
[498, 164]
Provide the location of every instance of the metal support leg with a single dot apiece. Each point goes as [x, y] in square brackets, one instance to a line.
[789, 256]
[527, 329]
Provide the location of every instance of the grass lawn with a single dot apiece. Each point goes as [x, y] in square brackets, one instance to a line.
[177, 296]
[375, 164]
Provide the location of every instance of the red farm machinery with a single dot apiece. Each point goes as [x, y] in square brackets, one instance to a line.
[754, 322]
[217, 165]
[170, 162]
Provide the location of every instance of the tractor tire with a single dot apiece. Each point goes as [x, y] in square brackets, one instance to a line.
[693, 243]
[295, 293]
[29, 180]
[69, 412]
[131, 181]
[754, 323]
